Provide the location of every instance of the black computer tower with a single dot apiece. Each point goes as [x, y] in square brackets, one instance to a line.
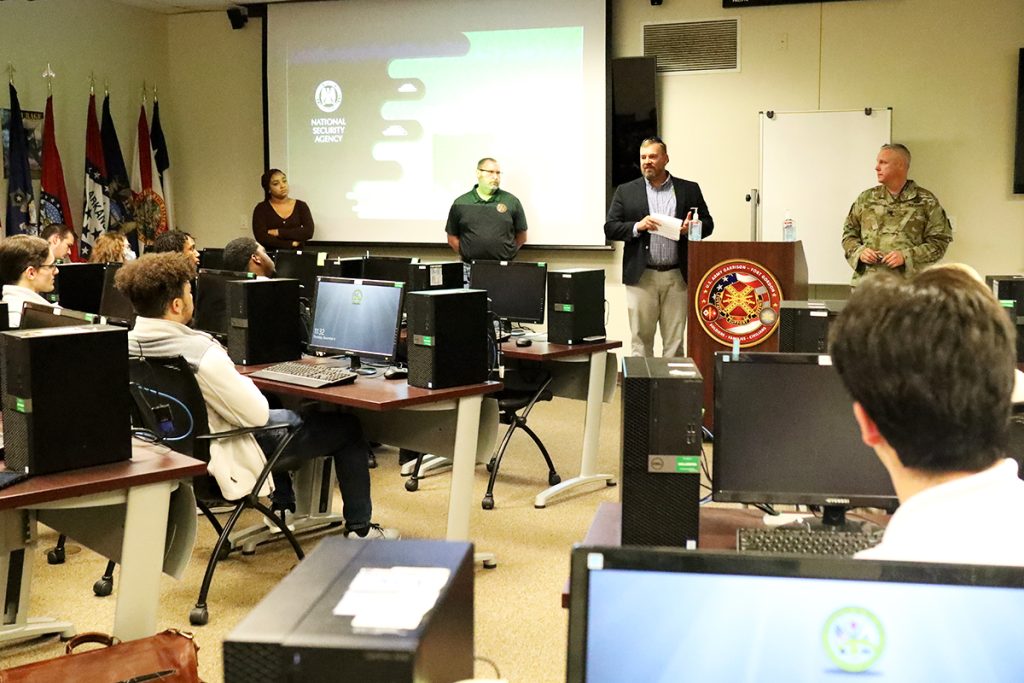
[65, 397]
[1008, 287]
[804, 325]
[447, 338]
[211, 258]
[575, 306]
[661, 446]
[427, 276]
[293, 635]
[264, 321]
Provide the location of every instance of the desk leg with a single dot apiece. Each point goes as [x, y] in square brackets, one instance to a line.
[142, 555]
[460, 496]
[591, 436]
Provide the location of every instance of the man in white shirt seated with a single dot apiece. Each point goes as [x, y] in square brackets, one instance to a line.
[930, 364]
[27, 270]
[159, 288]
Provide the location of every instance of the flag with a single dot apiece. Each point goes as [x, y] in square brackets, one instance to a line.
[53, 194]
[97, 206]
[149, 209]
[118, 190]
[20, 210]
[163, 163]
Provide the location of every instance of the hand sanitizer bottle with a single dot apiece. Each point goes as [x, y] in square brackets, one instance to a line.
[695, 226]
[788, 229]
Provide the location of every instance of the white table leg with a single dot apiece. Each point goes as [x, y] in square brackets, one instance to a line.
[591, 436]
[460, 496]
[142, 554]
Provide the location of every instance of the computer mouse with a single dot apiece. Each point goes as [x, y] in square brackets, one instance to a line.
[524, 342]
[396, 373]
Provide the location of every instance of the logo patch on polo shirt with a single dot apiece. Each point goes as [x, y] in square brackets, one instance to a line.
[501, 208]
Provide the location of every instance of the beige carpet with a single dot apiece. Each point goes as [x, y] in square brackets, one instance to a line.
[520, 623]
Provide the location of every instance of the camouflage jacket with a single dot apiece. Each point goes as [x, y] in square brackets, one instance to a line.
[912, 222]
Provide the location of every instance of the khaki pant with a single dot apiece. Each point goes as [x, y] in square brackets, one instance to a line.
[658, 298]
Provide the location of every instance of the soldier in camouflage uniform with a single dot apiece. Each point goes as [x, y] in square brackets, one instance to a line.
[896, 225]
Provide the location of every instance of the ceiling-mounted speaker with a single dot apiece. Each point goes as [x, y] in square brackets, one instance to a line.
[238, 16]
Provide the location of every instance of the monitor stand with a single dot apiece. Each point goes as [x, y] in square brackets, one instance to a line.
[356, 366]
[833, 518]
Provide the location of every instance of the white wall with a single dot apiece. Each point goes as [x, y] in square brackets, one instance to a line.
[947, 68]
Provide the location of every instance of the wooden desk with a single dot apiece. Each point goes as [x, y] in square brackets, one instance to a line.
[559, 359]
[451, 422]
[86, 504]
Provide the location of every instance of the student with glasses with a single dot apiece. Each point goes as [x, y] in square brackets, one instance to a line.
[27, 268]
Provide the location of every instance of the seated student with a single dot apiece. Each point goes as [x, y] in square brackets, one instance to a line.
[159, 288]
[27, 269]
[61, 238]
[176, 240]
[929, 363]
[110, 247]
[246, 255]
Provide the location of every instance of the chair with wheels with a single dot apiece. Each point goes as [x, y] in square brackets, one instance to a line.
[168, 403]
[524, 387]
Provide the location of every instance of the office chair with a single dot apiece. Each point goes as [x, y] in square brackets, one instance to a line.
[523, 389]
[169, 404]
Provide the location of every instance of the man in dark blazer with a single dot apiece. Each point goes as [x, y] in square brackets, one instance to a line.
[653, 266]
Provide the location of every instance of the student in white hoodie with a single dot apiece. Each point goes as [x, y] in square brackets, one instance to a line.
[27, 269]
[159, 288]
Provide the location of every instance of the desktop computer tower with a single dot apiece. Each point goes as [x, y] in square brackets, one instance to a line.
[661, 446]
[264, 321]
[447, 338]
[293, 634]
[803, 325]
[575, 306]
[1008, 287]
[426, 276]
[65, 397]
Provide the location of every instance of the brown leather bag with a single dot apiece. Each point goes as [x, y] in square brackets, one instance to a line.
[167, 657]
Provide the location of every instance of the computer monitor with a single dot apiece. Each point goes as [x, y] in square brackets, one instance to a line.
[304, 266]
[351, 266]
[35, 316]
[785, 433]
[516, 288]
[661, 615]
[79, 286]
[114, 305]
[357, 318]
[391, 268]
[211, 258]
[211, 299]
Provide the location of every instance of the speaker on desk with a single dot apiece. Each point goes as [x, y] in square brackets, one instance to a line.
[575, 306]
[65, 397]
[264, 321]
[447, 338]
[803, 325]
[661, 444]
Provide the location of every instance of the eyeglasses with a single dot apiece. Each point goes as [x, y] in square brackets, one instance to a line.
[487, 170]
[47, 265]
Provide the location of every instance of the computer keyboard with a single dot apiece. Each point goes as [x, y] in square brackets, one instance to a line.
[784, 541]
[307, 374]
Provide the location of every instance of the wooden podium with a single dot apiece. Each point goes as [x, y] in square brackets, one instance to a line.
[784, 260]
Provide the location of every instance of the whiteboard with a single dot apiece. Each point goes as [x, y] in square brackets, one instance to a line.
[813, 165]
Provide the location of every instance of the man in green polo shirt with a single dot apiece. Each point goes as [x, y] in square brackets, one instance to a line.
[486, 223]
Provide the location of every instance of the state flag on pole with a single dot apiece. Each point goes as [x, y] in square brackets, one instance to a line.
[53, 193]
[118, 189]
[163, 162]
[97, 206]
[150, 211]
[20, 209]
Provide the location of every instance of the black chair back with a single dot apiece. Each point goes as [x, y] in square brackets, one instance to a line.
[167, 401]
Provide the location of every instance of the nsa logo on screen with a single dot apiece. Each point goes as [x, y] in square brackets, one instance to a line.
[328, 96]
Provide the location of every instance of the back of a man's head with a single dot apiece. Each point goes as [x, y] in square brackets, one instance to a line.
[152, 281]
[58, 230]
[172, 240]
[17, 253]
[238, 252]
[931, 361]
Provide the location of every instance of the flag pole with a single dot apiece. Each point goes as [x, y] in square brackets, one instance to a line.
[49, 76]
[10, 72]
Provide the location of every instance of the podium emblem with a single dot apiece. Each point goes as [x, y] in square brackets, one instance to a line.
[738, 299]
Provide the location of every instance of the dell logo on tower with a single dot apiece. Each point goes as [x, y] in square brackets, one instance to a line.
[328, 96]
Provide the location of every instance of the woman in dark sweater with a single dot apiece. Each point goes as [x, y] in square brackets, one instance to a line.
[280, 222]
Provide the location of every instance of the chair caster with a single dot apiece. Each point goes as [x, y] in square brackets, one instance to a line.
[371, 460]
[489, 564]
[487, 504]
[103, 588]
[199, 616]
[490, 465]
[554, 479]
[55, 556]
[412, 484]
